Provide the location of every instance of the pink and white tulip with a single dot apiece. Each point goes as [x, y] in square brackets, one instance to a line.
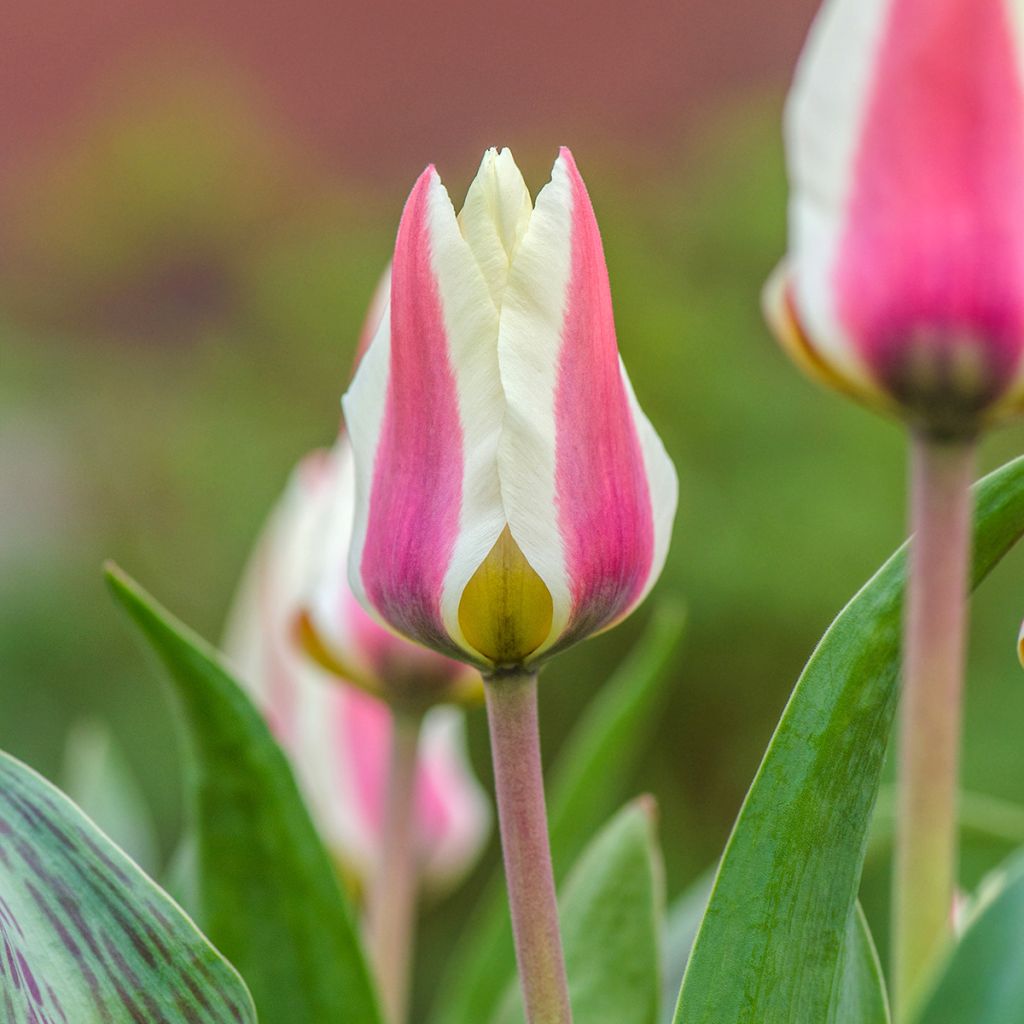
[512, 498]
[337, 736]
[904, 284]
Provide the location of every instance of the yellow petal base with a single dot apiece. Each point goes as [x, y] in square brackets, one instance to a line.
[506, 610]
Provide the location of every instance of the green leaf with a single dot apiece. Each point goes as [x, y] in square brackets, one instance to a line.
[98, 777]
[771, 946]
[983, 979]
[612, 918]
[862, 994]
[87, 937]
[588, 784]
[268, 892]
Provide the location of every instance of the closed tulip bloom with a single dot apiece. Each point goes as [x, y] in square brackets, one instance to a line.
[904, 284]
[512, 498]
[338, 737]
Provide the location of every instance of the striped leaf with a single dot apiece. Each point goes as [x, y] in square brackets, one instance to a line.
[87, 938]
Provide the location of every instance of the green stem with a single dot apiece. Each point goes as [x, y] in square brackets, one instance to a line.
[519, 782]
[935, 628]
[392, 904]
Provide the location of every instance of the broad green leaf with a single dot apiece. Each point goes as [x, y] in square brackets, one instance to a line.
[771, 946]
[588, 785]
[98, 777]
[612, 913]
[862, 994]
[87, 937]
[983, 980]
[267, 890]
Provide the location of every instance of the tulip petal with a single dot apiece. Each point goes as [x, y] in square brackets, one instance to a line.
[494, 217]
[906, 132]
[337, 736]
[342, 757]
[579, 466]
[823, 118]
[428, 380]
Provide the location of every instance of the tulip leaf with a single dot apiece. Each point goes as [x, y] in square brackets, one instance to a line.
[267, 891]
[771, 947]
[983, 979]
[611, 911]
[588, 784]
[87, 938]
[863, 993]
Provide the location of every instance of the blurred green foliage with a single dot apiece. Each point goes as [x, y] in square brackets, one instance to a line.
[164, 447]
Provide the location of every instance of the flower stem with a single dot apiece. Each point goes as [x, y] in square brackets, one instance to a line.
[393, 894]
[515, 744]
[935, 628]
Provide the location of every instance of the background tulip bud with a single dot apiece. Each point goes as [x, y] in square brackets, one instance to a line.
[512, 498]
[338, 736]
[905, 279]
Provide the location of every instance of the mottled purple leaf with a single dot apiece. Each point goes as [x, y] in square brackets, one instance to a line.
[85, 936]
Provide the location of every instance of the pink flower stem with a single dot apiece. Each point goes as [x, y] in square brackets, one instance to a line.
[392, 904]
[519, 781]
[935, 629]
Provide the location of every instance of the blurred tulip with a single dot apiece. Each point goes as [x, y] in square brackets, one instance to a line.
[904, 284]
[338, 737]
[512, 498]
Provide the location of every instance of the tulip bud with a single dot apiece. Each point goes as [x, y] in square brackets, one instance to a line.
[904, 284]
[512, 498]
[337, 736]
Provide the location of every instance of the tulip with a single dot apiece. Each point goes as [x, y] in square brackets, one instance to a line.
[904, 287]
[342, 741]
[904, 284]
[512, 498]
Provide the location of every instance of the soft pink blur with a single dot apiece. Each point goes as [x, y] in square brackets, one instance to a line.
[378, 89]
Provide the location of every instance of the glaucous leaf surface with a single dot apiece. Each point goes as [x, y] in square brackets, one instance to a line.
[983, 980]
[612, 915]
[268, 893]
[87, 938]
[587, 785]
[771, 947]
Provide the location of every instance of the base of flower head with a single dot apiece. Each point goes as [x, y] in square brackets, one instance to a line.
[400, 686]
[506, 610]
[938, 382]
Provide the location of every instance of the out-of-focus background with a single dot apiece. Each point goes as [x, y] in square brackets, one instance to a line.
[195, 203]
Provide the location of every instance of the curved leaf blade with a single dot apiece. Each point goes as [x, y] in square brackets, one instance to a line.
[268, 893]
[983, 979]
[612, 911]
[771, 946]
[862, 996]
[86, 936]
[586, 788]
